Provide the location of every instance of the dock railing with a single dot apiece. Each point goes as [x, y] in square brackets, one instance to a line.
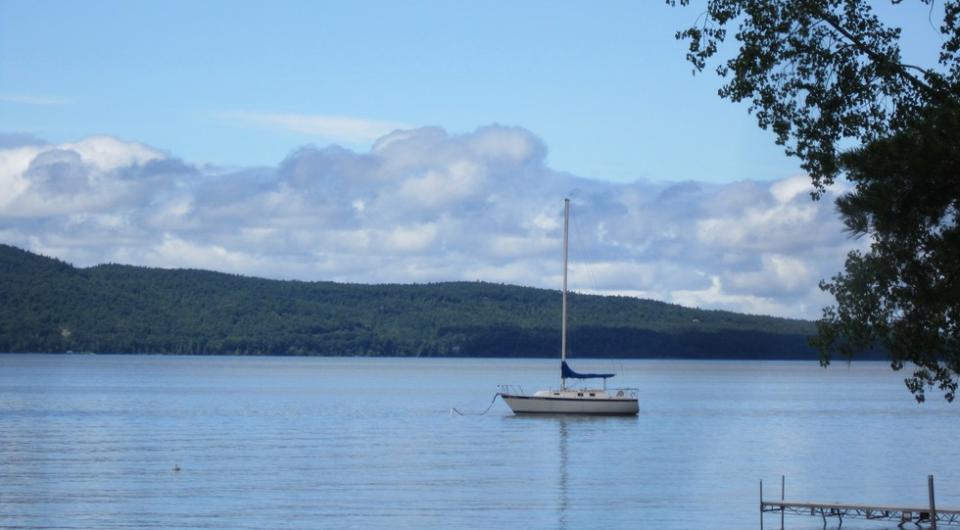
[901, 515]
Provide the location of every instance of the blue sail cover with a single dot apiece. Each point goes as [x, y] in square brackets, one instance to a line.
[567, 373]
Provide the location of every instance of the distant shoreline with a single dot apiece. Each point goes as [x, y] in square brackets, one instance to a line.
[864, 358]
[52, 306]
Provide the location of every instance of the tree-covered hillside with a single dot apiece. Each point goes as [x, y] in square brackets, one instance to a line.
[50, 306]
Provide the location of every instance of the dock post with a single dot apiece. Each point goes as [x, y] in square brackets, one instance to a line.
[783, 482]
[933, 505]
[761, 504]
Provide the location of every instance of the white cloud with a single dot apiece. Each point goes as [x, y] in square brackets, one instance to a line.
[94, 175]
[426, 205]
[787, 189]
[179, 253]
[767, 226]
[777, 275]
[514, 246]
[334, 128]
[107, 152]
[510, 145]
[546, 222]
[520, 272]
[411, 238]
[13, 167]
[440, 187]
[716, 297]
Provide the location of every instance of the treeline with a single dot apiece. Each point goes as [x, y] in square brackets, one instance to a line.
[47, 305]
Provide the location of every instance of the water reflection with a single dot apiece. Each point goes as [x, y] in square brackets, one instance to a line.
[562, 431]
[578, 439]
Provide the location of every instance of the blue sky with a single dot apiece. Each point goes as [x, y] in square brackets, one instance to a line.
[606, 88]
[259, 138]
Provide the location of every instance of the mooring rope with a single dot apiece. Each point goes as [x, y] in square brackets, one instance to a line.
[490, 406]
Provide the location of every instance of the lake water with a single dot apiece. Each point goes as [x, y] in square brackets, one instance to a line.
[92, 441]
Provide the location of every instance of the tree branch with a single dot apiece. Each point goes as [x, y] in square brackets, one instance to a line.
[877, 57]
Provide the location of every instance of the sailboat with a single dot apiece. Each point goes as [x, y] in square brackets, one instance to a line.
[566, 399]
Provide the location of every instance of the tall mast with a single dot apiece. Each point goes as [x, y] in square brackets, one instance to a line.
[563, 326]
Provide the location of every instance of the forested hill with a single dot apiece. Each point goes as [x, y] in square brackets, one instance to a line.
[47, 305]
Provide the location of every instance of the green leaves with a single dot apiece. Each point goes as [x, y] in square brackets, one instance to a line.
[904, 294]
[816, 73]
[824, 74]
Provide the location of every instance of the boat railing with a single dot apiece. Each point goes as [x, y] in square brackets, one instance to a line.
[511, 389]
[611, 391]
[625, 392]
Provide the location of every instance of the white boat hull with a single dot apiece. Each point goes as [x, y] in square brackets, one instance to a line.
[521, 404]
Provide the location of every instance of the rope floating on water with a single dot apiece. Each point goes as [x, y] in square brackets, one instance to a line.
[490, 406]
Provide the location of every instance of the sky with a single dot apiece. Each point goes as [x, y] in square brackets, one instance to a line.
[406, 142]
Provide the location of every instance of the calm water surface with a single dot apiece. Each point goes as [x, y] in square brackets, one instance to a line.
[91, 442]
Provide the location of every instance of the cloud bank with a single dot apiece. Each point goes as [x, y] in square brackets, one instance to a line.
[425, 205]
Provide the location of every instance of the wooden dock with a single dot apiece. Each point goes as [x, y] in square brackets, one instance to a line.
[930, 516]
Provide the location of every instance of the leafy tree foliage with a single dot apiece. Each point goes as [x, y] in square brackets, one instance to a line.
[824, 74]
[48, 306]
[903, 294]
